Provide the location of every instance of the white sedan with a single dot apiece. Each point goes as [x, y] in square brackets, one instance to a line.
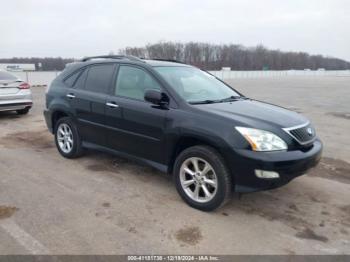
[15, 94]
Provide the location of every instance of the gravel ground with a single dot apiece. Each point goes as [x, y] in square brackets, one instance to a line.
[101, 204]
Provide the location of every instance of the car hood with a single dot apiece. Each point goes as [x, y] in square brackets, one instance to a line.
[255, 113]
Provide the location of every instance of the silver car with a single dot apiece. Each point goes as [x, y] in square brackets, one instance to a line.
[15, 94]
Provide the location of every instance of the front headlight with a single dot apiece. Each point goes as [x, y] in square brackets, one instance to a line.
[261, 140]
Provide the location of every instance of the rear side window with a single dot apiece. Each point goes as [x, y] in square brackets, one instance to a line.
[99, 78]
[80, 82]
[7, 76]
[70, 81]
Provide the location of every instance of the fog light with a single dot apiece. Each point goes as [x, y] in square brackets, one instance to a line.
[266, 174]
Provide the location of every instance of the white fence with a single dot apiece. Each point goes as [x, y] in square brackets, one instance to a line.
[45, 78]
[259, 74]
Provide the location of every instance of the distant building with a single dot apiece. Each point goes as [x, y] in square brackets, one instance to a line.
[17, 67]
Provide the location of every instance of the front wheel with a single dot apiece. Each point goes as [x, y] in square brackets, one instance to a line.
[202, 178]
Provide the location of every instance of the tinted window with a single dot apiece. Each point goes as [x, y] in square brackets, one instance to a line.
[99, 78]
[133, 82]
[70, 81]
[80, 82]
[7, 76]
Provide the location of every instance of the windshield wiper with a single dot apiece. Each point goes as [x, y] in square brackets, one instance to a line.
[228, 99]
[231, 98]
[208, 101]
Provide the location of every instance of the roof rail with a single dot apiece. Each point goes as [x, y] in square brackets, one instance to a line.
[167, 60]
[130, 57]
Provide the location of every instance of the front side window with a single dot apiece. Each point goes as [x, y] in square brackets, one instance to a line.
[195, 85]
[99, 78]
[132, 82]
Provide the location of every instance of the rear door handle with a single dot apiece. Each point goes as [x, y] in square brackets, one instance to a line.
[70, 95]
[112, 104]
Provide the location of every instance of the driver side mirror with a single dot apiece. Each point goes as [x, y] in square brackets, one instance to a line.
[156, 97]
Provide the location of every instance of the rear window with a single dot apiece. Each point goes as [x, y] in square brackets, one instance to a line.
[7, 76]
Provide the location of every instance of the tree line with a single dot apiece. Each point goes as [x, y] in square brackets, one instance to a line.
[214, 57]
[210, 57]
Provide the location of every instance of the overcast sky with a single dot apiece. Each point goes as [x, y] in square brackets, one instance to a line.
[78, 28]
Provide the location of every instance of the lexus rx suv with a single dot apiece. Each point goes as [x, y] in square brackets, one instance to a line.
[182, 121]
[15, 94]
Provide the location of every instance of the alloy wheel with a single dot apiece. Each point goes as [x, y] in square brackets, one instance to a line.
[198, 179]
[65, 138]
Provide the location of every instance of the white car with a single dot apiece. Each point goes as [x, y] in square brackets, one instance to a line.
[15, 94]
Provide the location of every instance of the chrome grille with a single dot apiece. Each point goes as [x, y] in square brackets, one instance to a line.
[303, 134]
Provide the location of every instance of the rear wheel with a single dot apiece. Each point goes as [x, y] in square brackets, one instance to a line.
[202, 178]
[67, 138]
[23, 111]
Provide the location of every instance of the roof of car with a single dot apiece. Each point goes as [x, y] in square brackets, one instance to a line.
[132, 59]
[164, 63]
[129, 59]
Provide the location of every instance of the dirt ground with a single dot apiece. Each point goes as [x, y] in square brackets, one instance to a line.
[101, 204]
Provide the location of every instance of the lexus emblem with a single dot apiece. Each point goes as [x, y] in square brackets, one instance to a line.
[310, 131]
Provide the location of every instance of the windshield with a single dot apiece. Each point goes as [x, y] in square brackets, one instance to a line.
[195, 85]
[6, 76]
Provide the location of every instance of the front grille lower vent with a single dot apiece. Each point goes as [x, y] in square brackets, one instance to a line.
[303, 134]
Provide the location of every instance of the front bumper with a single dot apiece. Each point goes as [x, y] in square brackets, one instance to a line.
[289, 165]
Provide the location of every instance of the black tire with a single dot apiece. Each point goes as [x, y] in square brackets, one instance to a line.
[23, 111]
[224, 179]
[76, 149]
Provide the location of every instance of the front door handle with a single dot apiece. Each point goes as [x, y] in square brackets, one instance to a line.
[70, 95]
[112, 104]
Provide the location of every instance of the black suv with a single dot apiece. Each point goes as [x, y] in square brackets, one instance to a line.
[180, 120]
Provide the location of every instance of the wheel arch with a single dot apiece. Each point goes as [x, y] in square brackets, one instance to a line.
[187, 141]
[57, 114]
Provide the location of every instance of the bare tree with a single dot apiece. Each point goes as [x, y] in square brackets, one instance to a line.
[214, 57]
